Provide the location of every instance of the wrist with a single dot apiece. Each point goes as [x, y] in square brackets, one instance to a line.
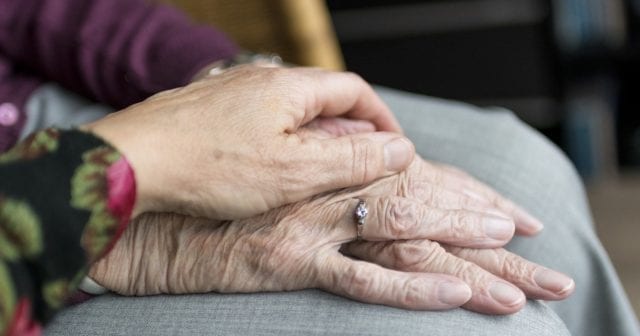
[127, 174]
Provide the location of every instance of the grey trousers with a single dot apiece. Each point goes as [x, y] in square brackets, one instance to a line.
[492, 145]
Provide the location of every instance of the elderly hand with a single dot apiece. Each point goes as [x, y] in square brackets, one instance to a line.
[498, 279]
[485, 270]
[297, 246]
[438, 185]
[290, 248]
[226, 147]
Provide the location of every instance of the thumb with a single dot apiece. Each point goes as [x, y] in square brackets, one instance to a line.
[352, 160]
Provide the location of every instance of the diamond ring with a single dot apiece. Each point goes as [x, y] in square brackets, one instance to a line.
[360, 216]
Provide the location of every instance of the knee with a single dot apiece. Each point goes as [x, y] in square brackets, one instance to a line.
[535, 319]
[527, 141]
[535, 158]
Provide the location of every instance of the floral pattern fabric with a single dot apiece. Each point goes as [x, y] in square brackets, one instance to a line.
[65, 197]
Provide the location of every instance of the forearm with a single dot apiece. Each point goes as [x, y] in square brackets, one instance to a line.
[65, 197]
[115, 51]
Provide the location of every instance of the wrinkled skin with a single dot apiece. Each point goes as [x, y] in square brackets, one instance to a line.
[227, 146]
[421, 248]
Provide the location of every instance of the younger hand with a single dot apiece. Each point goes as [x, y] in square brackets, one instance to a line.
[227, 146]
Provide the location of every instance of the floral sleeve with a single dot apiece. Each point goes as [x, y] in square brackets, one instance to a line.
[65, 197]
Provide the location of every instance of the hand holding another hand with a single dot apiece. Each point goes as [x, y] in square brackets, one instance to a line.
[227, 147]
[233, 146]
[420, 249]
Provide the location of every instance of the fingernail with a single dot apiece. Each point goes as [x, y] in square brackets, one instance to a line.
[553, 281]
[398, 154]
[453, 293]
[533, 223]
[498, 228]
[505, 294]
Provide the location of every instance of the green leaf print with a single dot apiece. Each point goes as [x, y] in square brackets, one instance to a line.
[20, 230]
[37, 144]
[55, 293]
[7, 297]
[89, 191]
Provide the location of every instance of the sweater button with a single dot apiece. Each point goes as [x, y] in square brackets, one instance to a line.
[8, 114]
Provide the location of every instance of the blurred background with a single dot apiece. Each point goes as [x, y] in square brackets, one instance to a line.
[569, 68]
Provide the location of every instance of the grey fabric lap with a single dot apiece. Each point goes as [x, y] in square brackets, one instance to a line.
[309, 312]
[497, 148]
[494, 147]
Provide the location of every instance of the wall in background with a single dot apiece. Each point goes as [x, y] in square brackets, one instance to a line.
[567, 67]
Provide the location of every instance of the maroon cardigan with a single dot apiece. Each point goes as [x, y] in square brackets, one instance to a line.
[116, 52]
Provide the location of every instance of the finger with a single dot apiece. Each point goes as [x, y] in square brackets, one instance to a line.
[345, 94]
[334, 127]
[350, 160]
[393, 218]
[536, 281]
[436, 196]
[491, 295]
[452, 177]
[371, 283]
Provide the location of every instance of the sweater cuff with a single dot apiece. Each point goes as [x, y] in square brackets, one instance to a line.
[77, 193]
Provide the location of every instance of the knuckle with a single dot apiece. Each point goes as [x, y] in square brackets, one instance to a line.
[416, 256]
[513, 268]
[398, 218]
[470, 272]
[449, 199]
[464, 224]
[425, 192]
[366, 162]
[360, 283]
[467, 202]
[405, 256]
[413, 292]
[465, 269]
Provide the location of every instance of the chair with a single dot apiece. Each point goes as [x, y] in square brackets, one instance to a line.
[298, 30]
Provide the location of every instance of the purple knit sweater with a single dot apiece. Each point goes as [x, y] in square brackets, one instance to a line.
[117, 52]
